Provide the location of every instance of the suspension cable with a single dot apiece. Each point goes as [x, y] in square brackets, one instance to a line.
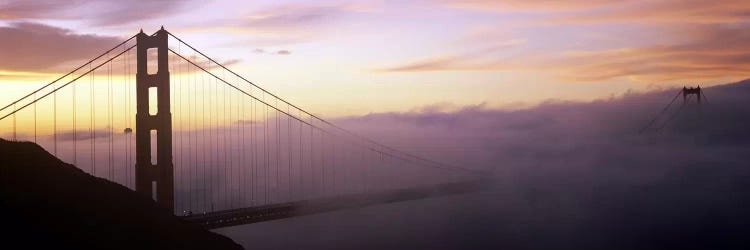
[66, 75]
[322, 120]
[674, 114]
[437, 165]
[660, 113]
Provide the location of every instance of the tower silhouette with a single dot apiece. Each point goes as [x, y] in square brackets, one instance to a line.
[687, 92]
[154, 179]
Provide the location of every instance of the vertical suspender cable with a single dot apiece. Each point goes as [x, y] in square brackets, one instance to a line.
[241, 127]
[333, 174]
[35, 116]
[312, 159]
[289, 153]
[15, 135]
[278, 155]
[54, 119]
[75, 129]
[230, 129]
[253, 155]
[322, 163]
[109, 117]
[265, 150]
[179, 118]
[191, 134]
[209, 145]
[92, 131]
[243, 171]
[203, 138]
[301, 169]
[225, 145]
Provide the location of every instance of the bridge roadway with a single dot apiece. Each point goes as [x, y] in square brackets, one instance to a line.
[240, 216]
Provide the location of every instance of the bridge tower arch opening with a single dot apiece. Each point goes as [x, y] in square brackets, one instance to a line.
[154, 180]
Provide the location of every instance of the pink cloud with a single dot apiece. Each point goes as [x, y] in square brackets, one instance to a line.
[97, 12]
[37, 47]
[527, 5]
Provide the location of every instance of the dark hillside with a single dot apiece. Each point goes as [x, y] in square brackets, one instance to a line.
[46, 203]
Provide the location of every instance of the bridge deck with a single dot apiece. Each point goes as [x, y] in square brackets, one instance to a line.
[249, 215]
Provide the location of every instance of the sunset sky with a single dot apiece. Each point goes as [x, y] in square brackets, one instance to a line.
[343, 58]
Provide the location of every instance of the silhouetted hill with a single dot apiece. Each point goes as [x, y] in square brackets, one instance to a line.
[46, 203]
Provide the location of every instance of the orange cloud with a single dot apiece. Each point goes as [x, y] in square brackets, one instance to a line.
[710, 52]
[713, 52]
[480, 60]
[587, 12]
[451, 63]
[528, 5]
[665, 11]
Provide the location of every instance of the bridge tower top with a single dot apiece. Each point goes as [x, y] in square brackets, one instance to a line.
[689, 91]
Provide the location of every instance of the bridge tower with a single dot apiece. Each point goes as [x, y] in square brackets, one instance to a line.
[154, 179]
[692, 91]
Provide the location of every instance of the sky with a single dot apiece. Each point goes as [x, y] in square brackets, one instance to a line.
[342, 58]
[550, 95]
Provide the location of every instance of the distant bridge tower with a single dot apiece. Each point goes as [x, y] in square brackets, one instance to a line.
[154, 179]
[692, 91]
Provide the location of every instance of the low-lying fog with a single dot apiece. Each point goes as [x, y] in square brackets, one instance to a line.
[567, 176]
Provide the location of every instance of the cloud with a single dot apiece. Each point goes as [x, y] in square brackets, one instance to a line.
[30, 46]
[525, 5]
[279, 52]
[106, 13]
[29, 54]
[709, 52]
[293, 16]
[84, 135]
[567, 176]
[650, 12]
[588, 12]
[453, 63]
[33, 8]
[290, 23]
[697, 41]
[562, 126]
[706, 52]
[484, 59]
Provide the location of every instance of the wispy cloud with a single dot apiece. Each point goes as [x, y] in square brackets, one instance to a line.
[82, 135]
[653, 12]
[704, 52]
[709, 52]
[527, 5]
[107, 13]
[485, 59]
[38, 47]
[452, 63]
[292, 16]
[289, 23]
[697, 41]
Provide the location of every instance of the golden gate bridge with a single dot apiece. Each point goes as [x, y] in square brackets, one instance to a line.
[157, 115]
